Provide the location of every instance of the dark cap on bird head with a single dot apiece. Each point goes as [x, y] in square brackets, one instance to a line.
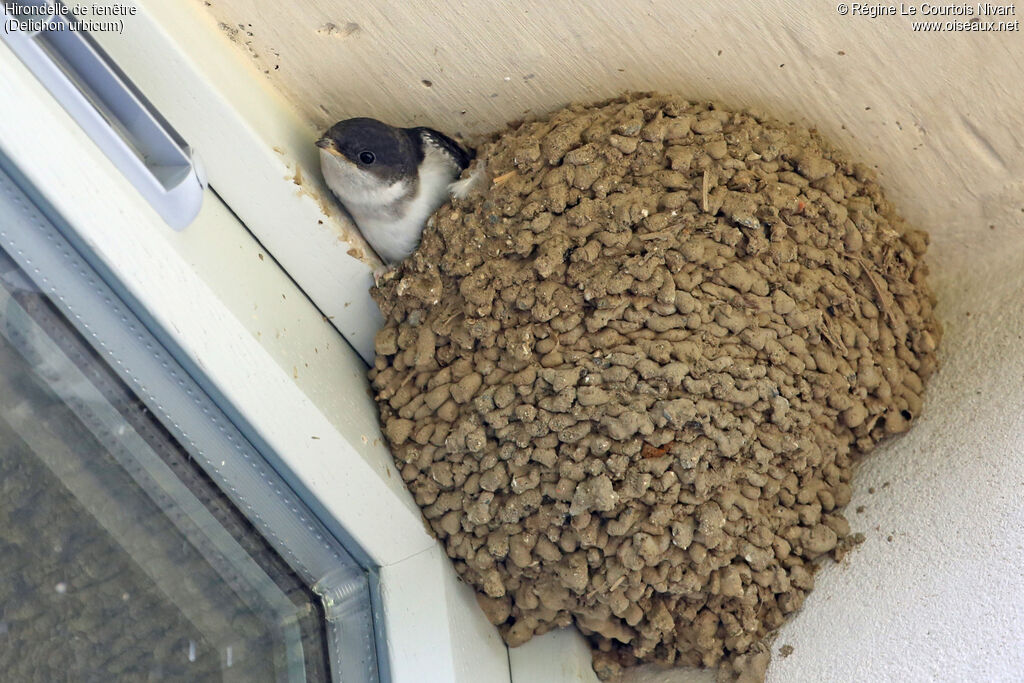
[374, 147]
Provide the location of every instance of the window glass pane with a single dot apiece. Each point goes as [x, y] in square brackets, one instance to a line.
[119, 558]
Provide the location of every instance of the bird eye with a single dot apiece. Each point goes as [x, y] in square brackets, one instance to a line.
[367, 157]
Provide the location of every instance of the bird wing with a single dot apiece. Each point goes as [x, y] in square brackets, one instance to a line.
[461, 155]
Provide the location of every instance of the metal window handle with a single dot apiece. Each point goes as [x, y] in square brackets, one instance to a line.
[110, 109]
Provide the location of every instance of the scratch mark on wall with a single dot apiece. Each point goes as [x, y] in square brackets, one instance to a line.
[983, 145]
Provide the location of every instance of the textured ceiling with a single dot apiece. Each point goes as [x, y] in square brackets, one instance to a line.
[941, 114]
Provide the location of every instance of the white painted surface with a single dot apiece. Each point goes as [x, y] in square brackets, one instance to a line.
[430, 646]
[561, 655]
[257, 153]
[941, 115]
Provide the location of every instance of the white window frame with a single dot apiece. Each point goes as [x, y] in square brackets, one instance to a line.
[277, 359]
[216, 301]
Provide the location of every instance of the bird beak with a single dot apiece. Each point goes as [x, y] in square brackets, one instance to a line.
[327, 143]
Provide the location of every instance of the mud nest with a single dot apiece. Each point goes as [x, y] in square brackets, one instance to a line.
[627, 380]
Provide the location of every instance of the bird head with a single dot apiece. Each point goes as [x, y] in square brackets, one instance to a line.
[368, 159]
